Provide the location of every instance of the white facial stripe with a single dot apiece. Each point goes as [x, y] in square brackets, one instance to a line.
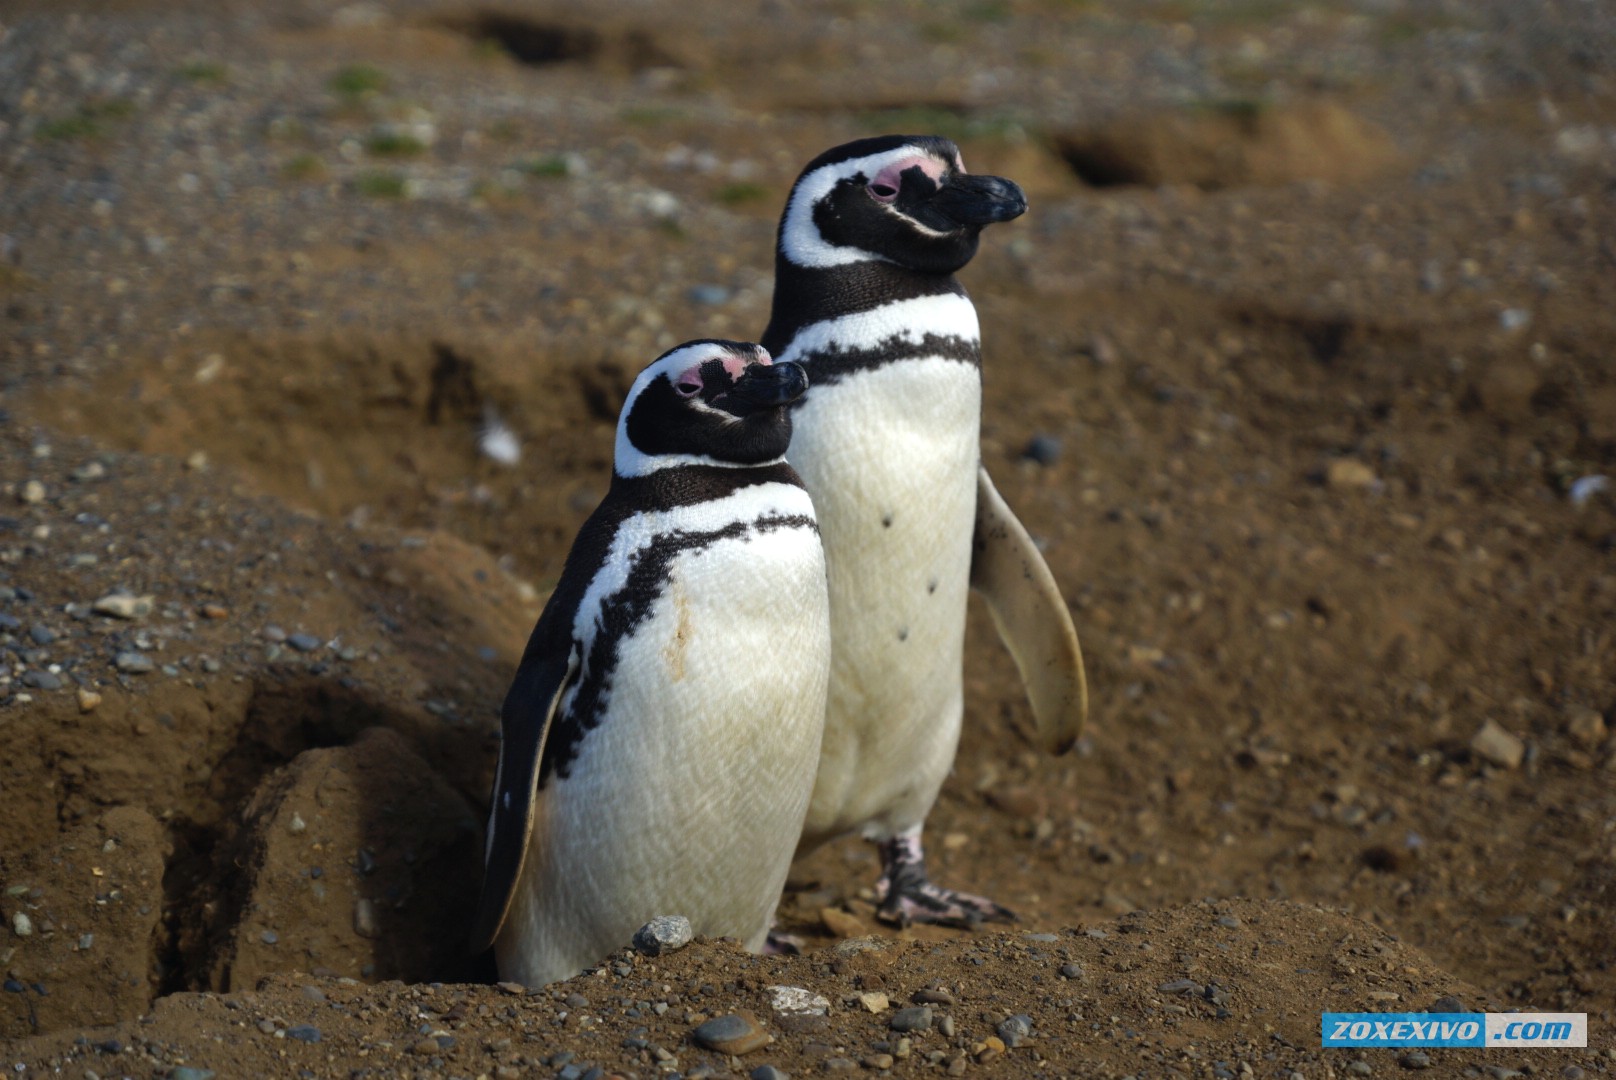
[947, 315]
[800, 241]
[637, 532]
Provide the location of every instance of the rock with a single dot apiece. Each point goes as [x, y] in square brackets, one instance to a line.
[1042, 449]
[402, 830]
[663, 934]
[103, 881]
[1361, 1068]
[88, 700]
[874, 1001]
[123, 606]
[1586, 727]
[32, 493]
[1071, 971]
[915, 1018]
[189, 1072]
[40, 634]
[41, 680]
[1349, 473]
[1015, 1030]
[843, 924]
[1181, 986]
[735, 1033]
[304, 1033]
[768, 1072]
[133, 663]
[88, 472]
[931, 995]
[1496, 745]
[1415, 1059]
[304, 642]
[796, 1001]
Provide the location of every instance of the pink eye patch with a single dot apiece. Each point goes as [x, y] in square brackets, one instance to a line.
[887, 182]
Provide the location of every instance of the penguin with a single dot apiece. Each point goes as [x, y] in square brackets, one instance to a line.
[660, 737]
[887, 442]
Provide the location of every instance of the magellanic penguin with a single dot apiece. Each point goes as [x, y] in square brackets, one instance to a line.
[887, 443]
[662, 732]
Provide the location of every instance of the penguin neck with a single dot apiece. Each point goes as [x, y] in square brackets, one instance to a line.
[686, 485]
[805, 295]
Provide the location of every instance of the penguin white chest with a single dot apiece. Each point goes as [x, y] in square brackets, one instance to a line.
[686, 796]
[890, 456]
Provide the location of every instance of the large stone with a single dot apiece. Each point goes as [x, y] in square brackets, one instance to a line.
[357, 861]
[92, 899]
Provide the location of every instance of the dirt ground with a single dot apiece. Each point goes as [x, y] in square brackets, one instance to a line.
[1300, 366]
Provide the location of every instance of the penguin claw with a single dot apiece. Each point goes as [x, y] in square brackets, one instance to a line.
[933, 904]
[904, 895]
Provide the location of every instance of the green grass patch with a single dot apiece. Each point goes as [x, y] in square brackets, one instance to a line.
[88, 121]
[380, 185]
[357, 81]
[303, 167]
[741, 193]
[204, 71]
[393, 144]
[549, 166]
[652, 115]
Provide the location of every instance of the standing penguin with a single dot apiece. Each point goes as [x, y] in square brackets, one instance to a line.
[661, 735]
[887, 444]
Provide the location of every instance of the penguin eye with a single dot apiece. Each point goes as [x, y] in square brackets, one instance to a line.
[687, 389]
[882, 192]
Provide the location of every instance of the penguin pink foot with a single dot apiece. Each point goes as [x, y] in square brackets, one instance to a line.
[905, 895]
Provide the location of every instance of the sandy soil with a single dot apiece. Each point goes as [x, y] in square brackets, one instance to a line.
[1300, 366]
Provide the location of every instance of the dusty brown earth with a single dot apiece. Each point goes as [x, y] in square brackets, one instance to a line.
[1300, 365]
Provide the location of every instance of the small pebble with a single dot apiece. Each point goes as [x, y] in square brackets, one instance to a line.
[267, 1026]
[1415, 1059]
[882, 1062]
[1494, 744]
[133, 663]
[364, 919]
[304, 642]
[512, 988]
[768, 1072]
[945, 1025]
[88, 700]
[1042, 449]
[736, 1033]
[269, 937]
[41, 680]
[1071, 971]
[32, 493]
[663, 934]
[1361, 1068]
[304, 1033]
[41, 634]
[92, 470]
[1181, 986]
[916, 1018]
[187, 1072]
[874, 1001]
[21, 924]
[123, 606]
[1015, 1030]
[795, 1001]
[274, 633]
[932, 996]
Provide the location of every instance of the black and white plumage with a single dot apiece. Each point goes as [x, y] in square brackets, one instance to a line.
[887, 443]
[661, 734]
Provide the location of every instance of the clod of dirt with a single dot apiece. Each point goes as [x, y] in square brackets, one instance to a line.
[1230, 144]
[90, 901]
[357, 861]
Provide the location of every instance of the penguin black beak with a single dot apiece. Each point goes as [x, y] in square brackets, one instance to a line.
[969, 200]
[763, 386]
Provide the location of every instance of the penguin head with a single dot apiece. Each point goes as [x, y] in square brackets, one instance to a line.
[903, 199]
[708, 402]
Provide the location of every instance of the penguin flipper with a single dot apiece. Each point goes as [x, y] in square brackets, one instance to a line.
[525, 720]
[1010, 573]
